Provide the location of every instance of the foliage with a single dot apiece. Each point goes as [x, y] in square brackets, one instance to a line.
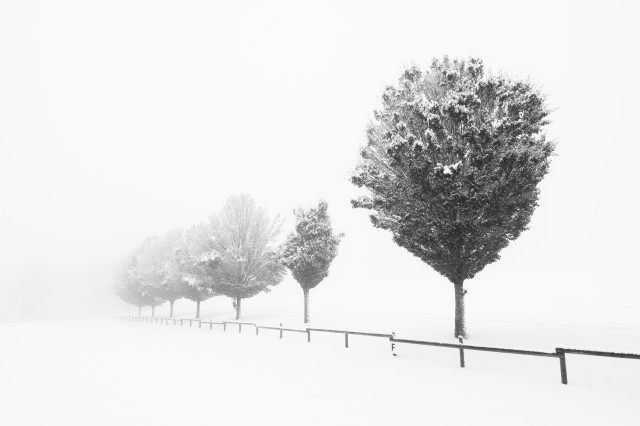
[452, 163]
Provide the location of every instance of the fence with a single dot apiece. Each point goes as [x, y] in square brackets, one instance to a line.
[559, 353]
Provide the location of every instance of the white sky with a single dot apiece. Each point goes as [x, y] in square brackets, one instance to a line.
[122, 119]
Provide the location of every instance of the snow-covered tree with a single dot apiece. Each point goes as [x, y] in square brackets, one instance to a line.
[244, 245]
[309, 251]
[130, 288]
[172, 285]
[452, 164]
[197, 265]
[149, 263]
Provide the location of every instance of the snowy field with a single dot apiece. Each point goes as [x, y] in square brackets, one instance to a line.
[105, 372]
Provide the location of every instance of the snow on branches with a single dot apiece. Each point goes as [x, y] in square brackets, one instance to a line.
[452, 164]
[309, 251]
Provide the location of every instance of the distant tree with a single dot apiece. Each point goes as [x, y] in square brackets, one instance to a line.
[452, 165]
[197, 265]
[130, 288]
[309, 251]
[172, 284]
[150, 261]
[244, 245]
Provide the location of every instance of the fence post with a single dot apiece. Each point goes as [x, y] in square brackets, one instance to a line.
[257, 328]
[461, 340]
[239, 328]
[211, 325]
[308, 335]
[199, 323]
[563, 365]
[181, 322]
[224, 326]
[281, 330]
[346, 339]
[393, 345]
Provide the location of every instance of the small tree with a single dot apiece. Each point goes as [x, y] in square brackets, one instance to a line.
[243, 243]
[309, 251]
[452, 164]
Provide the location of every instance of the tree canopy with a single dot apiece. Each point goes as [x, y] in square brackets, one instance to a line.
[309, 251]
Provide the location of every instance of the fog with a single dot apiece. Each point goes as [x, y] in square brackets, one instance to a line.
[123, 119]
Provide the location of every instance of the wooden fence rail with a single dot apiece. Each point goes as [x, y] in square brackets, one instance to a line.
[346, 334]
[281, 329]
[559, 353]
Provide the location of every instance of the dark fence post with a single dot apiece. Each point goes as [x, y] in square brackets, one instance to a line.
[346, 340]
[281, 330]
[308, 335]
[211, 325]
[257, 328]
[239, 328]
[460, 339]
[563, 365]
[393, 345]
[224, 326]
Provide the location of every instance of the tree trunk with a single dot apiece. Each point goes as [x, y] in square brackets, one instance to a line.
[171, 308]
[460, 327]
[198, 309]
[153, 311]
[238, 300]
[306, 304]
[139, 311]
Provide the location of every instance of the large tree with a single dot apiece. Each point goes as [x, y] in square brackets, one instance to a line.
[452, 164]
[243, 242]
[309, 251]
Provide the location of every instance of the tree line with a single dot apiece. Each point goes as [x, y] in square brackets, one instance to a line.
[235, 254]
[451, 168]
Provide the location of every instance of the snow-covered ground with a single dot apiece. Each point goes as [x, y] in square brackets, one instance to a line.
[106, 372]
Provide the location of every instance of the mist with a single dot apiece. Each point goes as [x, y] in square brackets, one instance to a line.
[121, 120]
